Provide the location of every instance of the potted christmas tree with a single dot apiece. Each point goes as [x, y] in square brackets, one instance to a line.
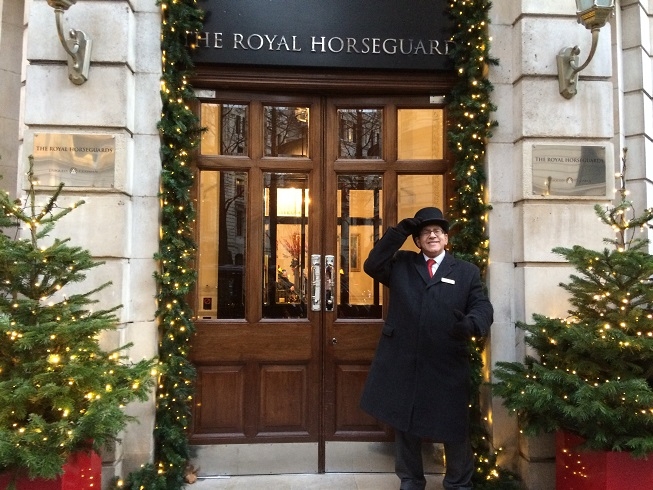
[61, 395]
[592, 377]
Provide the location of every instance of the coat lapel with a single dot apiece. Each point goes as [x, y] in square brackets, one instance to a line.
[445, 267]
[420, 265]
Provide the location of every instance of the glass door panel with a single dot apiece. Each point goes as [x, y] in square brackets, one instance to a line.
[359, 226]
[420, 134]
[226, 129]
[415, 192]
[360, 133]
[285, 247]
[221, 258]
[286, 131]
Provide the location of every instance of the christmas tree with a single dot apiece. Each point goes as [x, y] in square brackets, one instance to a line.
[59, 391]
[593, 373]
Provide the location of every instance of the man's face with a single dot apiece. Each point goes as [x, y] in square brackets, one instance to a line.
[431, 240]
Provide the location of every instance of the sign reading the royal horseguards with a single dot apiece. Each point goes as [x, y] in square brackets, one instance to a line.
[569, 171]
[375, 34]
[77, 160]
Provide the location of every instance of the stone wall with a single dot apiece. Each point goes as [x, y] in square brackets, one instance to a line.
[11, 61]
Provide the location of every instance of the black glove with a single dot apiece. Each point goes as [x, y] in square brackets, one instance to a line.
[408, 226]
[464, 328]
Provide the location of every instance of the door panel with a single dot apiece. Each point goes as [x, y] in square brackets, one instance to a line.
[227, 417]
[284, 400]
[368, 182]
[256, 346]
[353, 330]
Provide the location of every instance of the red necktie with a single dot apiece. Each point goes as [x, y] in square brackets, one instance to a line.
[429, 264]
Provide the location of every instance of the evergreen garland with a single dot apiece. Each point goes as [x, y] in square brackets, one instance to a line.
[471, 123]
[470, 116]
[470, 112]
[179, 128]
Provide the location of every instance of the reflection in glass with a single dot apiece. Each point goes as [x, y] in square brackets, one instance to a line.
[360, 133]
[415, 192]
[285, 248]
[221, 257]
[359, 226]
[286, 131]
[420, 134]
[226, 129]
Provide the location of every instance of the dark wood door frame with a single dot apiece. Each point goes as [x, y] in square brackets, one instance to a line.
[325, 82]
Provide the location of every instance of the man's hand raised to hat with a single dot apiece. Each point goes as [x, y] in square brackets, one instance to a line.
[408, 225]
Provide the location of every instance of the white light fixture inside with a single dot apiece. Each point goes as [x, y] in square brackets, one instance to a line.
[593, 14]
[78, 46]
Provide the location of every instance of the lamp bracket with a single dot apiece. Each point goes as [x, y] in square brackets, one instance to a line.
[78, 48]
[568, 68]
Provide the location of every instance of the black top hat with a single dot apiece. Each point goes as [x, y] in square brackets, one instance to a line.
[428, 216]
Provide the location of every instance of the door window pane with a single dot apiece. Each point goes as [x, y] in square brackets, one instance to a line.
[286, 131]
[420, 134]
[360, 221]
[415, 192]
[360, 133]
[222, 233]
[285, 246]
[226, 129]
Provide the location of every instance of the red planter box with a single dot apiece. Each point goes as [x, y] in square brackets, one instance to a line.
[83, 471]
[597, 470]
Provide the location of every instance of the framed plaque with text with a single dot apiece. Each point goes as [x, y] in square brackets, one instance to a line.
[77, 160]
[570, 171]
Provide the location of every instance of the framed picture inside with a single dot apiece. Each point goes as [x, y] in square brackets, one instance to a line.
[354, 252]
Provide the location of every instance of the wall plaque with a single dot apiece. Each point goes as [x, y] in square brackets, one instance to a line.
[383, 34]
[569, 170]
[77, 160]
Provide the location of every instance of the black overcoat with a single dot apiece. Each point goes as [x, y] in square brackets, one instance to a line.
[419, 381]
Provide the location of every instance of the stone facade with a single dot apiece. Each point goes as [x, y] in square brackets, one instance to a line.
[613, 108]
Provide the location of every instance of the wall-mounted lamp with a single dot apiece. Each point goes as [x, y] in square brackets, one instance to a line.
[78, 46]
[593, 14]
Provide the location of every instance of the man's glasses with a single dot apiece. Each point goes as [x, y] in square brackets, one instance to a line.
[427, 232]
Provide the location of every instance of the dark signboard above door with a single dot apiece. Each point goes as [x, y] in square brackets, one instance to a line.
[375, 34]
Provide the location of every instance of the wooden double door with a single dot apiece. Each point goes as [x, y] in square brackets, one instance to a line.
[292, 192]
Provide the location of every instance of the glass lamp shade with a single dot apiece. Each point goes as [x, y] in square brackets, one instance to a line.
[593, 14]
[61, 4]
